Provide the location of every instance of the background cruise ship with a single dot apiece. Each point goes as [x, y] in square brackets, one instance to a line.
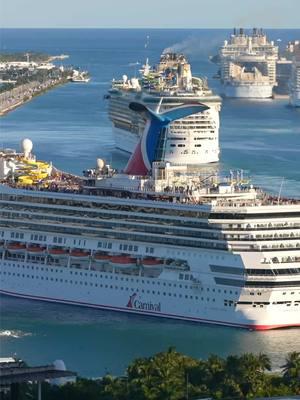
[191, 140]
[295, 78]
[248, 65]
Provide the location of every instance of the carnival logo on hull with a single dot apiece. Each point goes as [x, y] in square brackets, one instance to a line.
[138, 304]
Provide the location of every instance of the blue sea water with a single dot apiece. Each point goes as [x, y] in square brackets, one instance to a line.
[69, 126]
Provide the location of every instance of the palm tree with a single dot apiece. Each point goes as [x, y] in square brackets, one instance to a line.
[248, 372]
[264, 362]
[291, 371]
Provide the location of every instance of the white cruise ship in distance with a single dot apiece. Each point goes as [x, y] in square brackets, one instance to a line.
[295, 78]
[248, 65]
[192, 140]
[172, 244]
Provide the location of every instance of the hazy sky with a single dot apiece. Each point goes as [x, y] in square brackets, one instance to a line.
[151, 13]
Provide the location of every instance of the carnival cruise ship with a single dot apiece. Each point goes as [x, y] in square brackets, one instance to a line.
[171, 243]
[295, 78]
[192, 140]
[248, 65]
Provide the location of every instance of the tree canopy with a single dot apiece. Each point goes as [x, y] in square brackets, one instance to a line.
[171, 375]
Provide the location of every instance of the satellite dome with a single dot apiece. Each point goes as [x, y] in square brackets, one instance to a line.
[100, 163]
[125, 78]
[26, 146]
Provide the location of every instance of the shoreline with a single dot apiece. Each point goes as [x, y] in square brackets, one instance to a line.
[30, 91]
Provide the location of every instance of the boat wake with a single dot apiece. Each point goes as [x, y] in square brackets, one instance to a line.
[16, 334]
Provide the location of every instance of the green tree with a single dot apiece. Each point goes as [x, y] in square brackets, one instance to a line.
[162, 377]
[291, 371]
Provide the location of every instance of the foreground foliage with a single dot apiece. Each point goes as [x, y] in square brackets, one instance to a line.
[171, 375]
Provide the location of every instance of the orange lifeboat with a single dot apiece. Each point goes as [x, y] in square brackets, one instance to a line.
[79, 254]
[35, 249]
[16, 247]
[123, 261]
[58, 252]
[152, 264]
[102, 257]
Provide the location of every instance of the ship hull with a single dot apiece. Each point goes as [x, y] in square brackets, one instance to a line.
[126, 141]
[59, 285]
[295, 99]
[192, 140]
[248, 91]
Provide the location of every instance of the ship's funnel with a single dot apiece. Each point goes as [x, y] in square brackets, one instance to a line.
[140, 162]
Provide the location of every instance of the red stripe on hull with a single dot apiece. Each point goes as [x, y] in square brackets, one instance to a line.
[151, 313]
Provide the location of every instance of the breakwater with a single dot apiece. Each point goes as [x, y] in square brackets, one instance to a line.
[19, 95]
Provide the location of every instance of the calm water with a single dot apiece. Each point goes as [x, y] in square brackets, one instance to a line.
[69, 126]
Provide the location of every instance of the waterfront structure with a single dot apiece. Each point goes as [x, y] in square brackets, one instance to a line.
[172, 243]
[248, 65]
[191, 140]
[283, 76]
[290, 48]
[80, 76]
[14, 372]
[295, 78]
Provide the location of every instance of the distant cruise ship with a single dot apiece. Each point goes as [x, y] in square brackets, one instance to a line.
[191, 140]
[172, 243]
[248, 65]
[295, 78]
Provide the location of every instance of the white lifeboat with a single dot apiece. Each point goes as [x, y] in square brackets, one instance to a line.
[16, 247]
[123, 261]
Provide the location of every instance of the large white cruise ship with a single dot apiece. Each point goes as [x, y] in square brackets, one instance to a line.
[191, 140]
[295, 78]
[171, 244]
[248, 65]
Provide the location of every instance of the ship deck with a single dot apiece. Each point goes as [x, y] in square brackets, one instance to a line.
[65, 183]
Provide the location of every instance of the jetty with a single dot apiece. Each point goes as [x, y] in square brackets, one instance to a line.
[15, 97]
[24, 76]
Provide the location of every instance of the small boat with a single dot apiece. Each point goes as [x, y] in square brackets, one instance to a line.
[85, 80]
[16, 247]
[58, 252]
[152, 264]
[79, 254]
[35, 249]
[101, 257]
[80, 76]
[123, 261]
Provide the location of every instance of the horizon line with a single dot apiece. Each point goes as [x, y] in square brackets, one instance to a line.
[147, 27]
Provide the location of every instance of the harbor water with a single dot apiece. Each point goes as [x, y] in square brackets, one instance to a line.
[70, 127]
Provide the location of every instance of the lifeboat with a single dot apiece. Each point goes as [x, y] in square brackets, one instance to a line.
[35, 249]
[58, 252]
[152, 264]
[123, 262]
[98, 257]
[79, 254]
[16, 247]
